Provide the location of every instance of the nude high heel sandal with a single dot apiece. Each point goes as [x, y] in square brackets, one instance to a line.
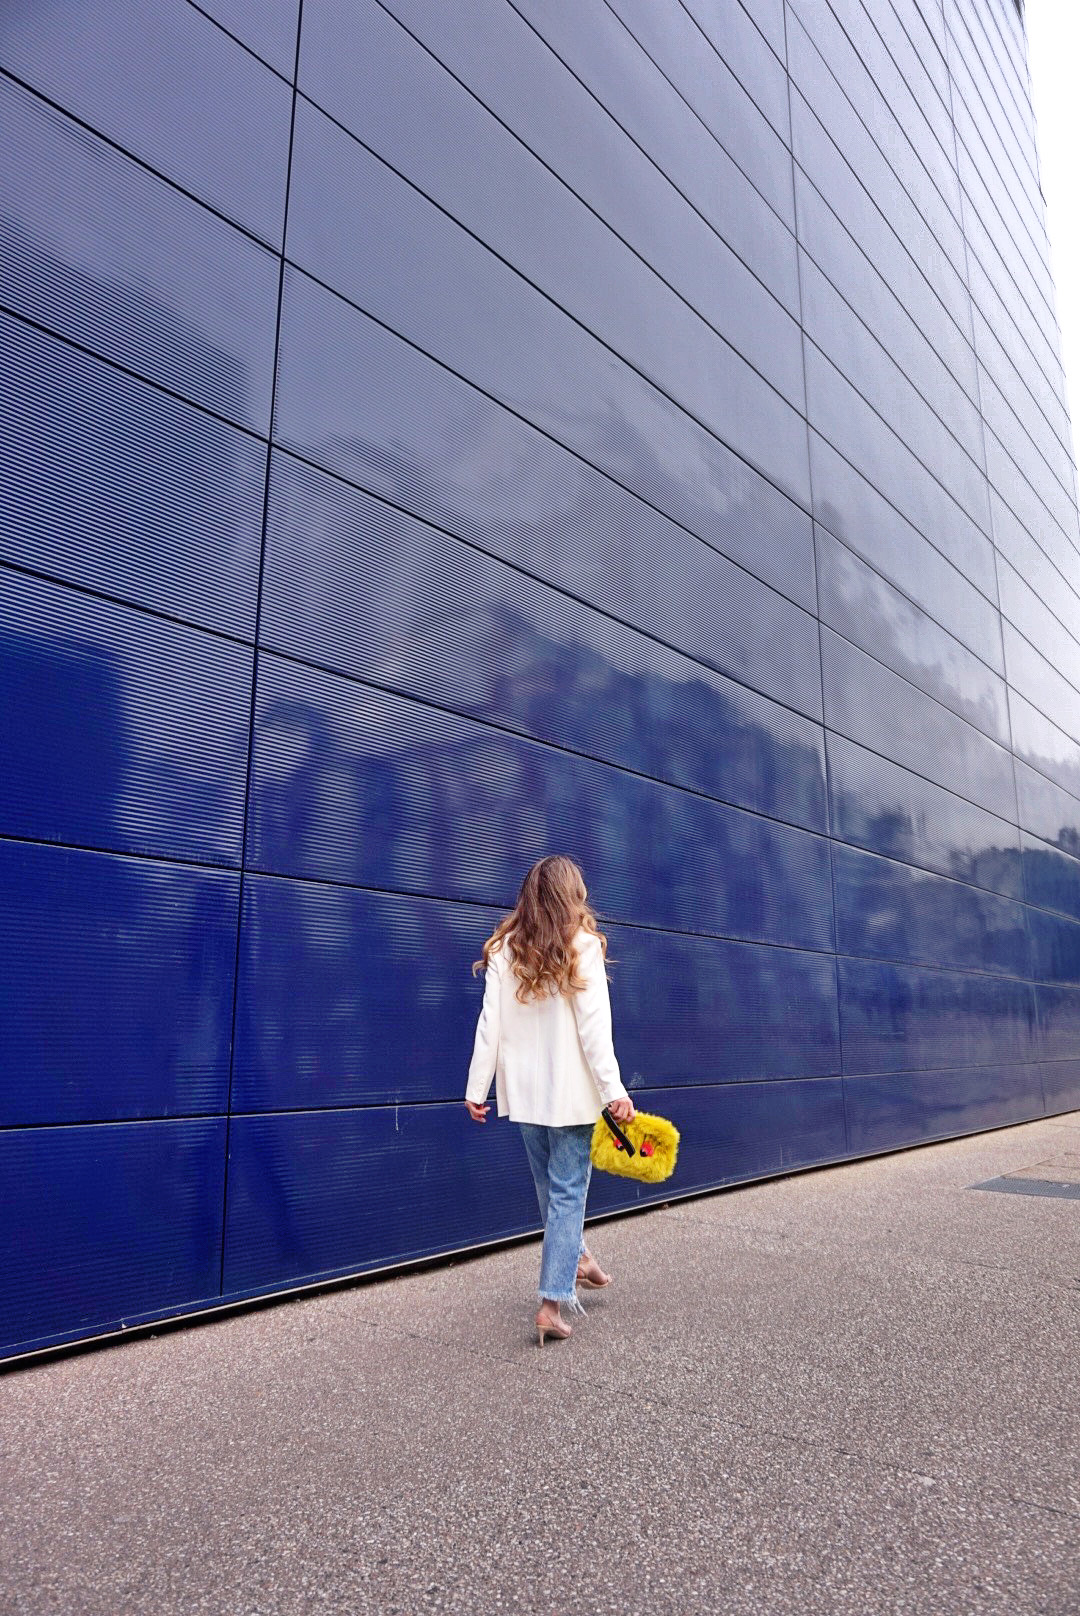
[593, 1284]
[558, 1327]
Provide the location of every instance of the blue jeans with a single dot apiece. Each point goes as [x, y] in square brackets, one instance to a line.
[561, 1169]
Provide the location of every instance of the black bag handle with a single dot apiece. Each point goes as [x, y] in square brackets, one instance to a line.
[617, 1131]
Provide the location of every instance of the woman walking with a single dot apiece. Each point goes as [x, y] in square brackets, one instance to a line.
[545, 1034]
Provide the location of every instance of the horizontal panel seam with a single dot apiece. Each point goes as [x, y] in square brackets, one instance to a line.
[564, 593]
[879, 149]
[151, 382]
[565, 183]
[917, 605]
[564, 448]
[726, 65]
[141, 162]
[241, 42]
[933, 475]
[887, 102]
[553, 302]
[711, 133]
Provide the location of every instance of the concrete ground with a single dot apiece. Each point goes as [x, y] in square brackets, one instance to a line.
[854, 1390]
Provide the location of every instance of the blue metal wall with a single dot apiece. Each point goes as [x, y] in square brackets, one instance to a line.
[436, 435]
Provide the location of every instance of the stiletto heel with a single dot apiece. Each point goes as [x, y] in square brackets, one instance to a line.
[558, 1327]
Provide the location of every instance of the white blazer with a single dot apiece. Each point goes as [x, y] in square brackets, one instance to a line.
[553, 1059]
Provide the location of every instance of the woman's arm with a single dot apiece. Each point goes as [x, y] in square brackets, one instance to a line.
[592, 1011]
[486, 1042]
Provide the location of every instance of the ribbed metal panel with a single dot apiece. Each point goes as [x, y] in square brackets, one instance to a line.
[116, 978]
[352, 784]
[321, 1192]
[119, 730]
[892, 911]
[358, 998]
[96, 248]
[465, 307]
[137, 73]
[906, 1108]
[898, 1016]
[174, 526]
[360, 402]
[268, 27]
[354, 585]
[104, 1225]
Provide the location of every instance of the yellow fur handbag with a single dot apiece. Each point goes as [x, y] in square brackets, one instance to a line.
[643, 1148]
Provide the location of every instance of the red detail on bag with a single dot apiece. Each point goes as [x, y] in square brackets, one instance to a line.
[647, 1148]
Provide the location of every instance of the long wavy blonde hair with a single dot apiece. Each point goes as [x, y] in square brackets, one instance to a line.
[539, 931]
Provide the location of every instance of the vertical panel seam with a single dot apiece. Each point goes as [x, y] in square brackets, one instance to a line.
[255, 648]
[817, 597]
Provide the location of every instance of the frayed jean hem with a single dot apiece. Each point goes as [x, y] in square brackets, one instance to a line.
[572, 1302]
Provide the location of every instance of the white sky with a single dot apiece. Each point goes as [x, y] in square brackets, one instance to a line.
[1053, 29]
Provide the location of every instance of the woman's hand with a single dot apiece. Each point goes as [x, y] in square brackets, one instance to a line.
[477, 1112]
[622, 1110]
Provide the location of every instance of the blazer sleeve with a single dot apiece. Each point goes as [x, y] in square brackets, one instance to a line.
[592, 1011]
[486, 1043]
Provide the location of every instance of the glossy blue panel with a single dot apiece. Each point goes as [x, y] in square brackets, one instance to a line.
[463, 306]
[174, 526]
[816, 98]
[555, 174]
[695, 1010]
[361, 402]
[880, 806]
[841, 415]
[892, 911]
[847, 210]
[136, 72]
[1048, 810]
[861, 606]
[897, 1017]
[315, 1193]
[745, 54]
[1044, 745]
[849, 507]
[624, 80]
[906, 1108]
[351, 784]
[116, 982]
[348, 997]
[702, 77]
[352, 998]
[1061, 1086]
[950, 449]
[352, 584]
[104, 1223]
[268, 27]
[1059, 1022]
[1055, 947]
[1051, 878]
[319, 1192]
[925, 343]
[1042, 683]
[875, 707]
[737, 1131]
[1052, 627]
[882, 71]
[120, 730]
[96, 248]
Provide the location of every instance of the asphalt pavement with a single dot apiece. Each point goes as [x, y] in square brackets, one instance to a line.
[847, 1391]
